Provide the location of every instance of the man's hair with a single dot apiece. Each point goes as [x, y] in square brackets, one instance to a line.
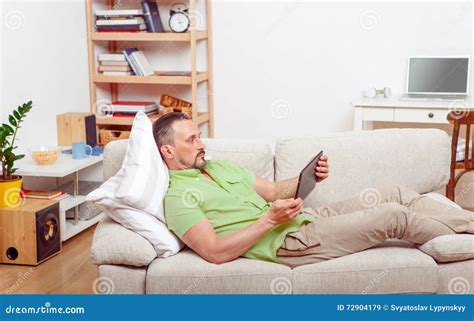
[162, 130]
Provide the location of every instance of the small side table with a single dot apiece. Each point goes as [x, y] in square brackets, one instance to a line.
[65, 165]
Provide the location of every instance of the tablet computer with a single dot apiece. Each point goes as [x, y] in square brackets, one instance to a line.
[307, 178]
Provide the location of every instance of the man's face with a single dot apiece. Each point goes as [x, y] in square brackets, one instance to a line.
[188, 148]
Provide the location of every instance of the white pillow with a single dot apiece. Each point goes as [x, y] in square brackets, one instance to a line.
[134, 196]
[450, 248]
[442, 199]
[146, 179]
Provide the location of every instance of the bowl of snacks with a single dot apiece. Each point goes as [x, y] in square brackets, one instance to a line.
[45, 155]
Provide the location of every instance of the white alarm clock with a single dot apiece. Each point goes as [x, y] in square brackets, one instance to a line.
[179, 18]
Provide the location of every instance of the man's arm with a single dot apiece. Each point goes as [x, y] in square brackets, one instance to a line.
[203, 240]
[271, 191]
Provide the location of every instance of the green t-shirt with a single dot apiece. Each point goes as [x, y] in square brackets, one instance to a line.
[230, 204]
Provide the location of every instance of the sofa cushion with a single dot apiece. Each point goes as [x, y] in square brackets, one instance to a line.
[449, 248]
[119, 279]
[256, 156]
[377, 270]
[359, 160]
[114, 244]
[114, 154]
[456, 277]
[187, 273]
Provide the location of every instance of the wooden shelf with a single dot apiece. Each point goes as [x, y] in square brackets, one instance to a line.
[167, 80]
[112, 42]
[73, 229]
[127, 121]
[147, 36]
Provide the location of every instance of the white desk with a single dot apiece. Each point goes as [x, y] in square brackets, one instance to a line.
[63, 166]
[392, 109]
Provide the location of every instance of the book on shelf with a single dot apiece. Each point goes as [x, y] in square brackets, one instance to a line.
[119, 13]
[121, 28]
[142, 63]
[138, 62]
[133, 106]
[116, 22]
[128, 55]
[28, 193]
[132, 115]
[112, 57]
[117, 73]
[173, 73]
[152, 16]
[114, 63]
[114, 68]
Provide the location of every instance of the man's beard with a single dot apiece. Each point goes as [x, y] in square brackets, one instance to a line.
[197, 164]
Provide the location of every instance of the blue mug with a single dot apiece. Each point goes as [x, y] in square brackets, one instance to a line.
[80, 150]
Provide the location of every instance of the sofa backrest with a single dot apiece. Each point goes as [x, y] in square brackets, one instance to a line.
[416, 158]
[255, 156]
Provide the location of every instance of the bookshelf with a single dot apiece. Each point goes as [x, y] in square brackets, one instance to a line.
[116, 41]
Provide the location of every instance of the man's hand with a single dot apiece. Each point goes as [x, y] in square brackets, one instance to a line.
[284, 210]
[322, 169]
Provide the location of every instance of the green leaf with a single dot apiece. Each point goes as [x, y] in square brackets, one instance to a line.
[8, 128]
[12, 120]
[17, 115]
[17, 157]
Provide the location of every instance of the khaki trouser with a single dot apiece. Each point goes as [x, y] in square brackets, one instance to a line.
[367, 220]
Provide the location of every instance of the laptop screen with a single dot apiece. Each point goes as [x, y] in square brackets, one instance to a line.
[438, 75]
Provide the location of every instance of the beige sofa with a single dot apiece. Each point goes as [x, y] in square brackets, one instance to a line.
[416, 158]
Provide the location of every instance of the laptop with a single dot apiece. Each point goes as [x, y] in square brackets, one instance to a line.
[437, 78]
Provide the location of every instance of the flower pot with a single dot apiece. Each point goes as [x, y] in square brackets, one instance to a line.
[10, 192]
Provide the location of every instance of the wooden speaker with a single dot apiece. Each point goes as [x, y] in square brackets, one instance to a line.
[30, 233]
[76, 127]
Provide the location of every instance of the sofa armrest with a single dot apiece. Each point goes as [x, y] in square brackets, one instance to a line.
[114, 244]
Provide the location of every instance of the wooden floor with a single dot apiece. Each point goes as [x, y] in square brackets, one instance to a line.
[71, 271]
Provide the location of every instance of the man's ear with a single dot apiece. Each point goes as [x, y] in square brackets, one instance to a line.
[167, 152]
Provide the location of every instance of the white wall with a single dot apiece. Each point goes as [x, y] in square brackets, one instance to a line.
[44, 59]
[311, 58]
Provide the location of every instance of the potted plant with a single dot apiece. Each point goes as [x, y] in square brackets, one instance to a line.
[10, 184]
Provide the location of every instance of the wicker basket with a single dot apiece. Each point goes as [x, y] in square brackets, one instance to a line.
[173, 104]
[107, 135]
